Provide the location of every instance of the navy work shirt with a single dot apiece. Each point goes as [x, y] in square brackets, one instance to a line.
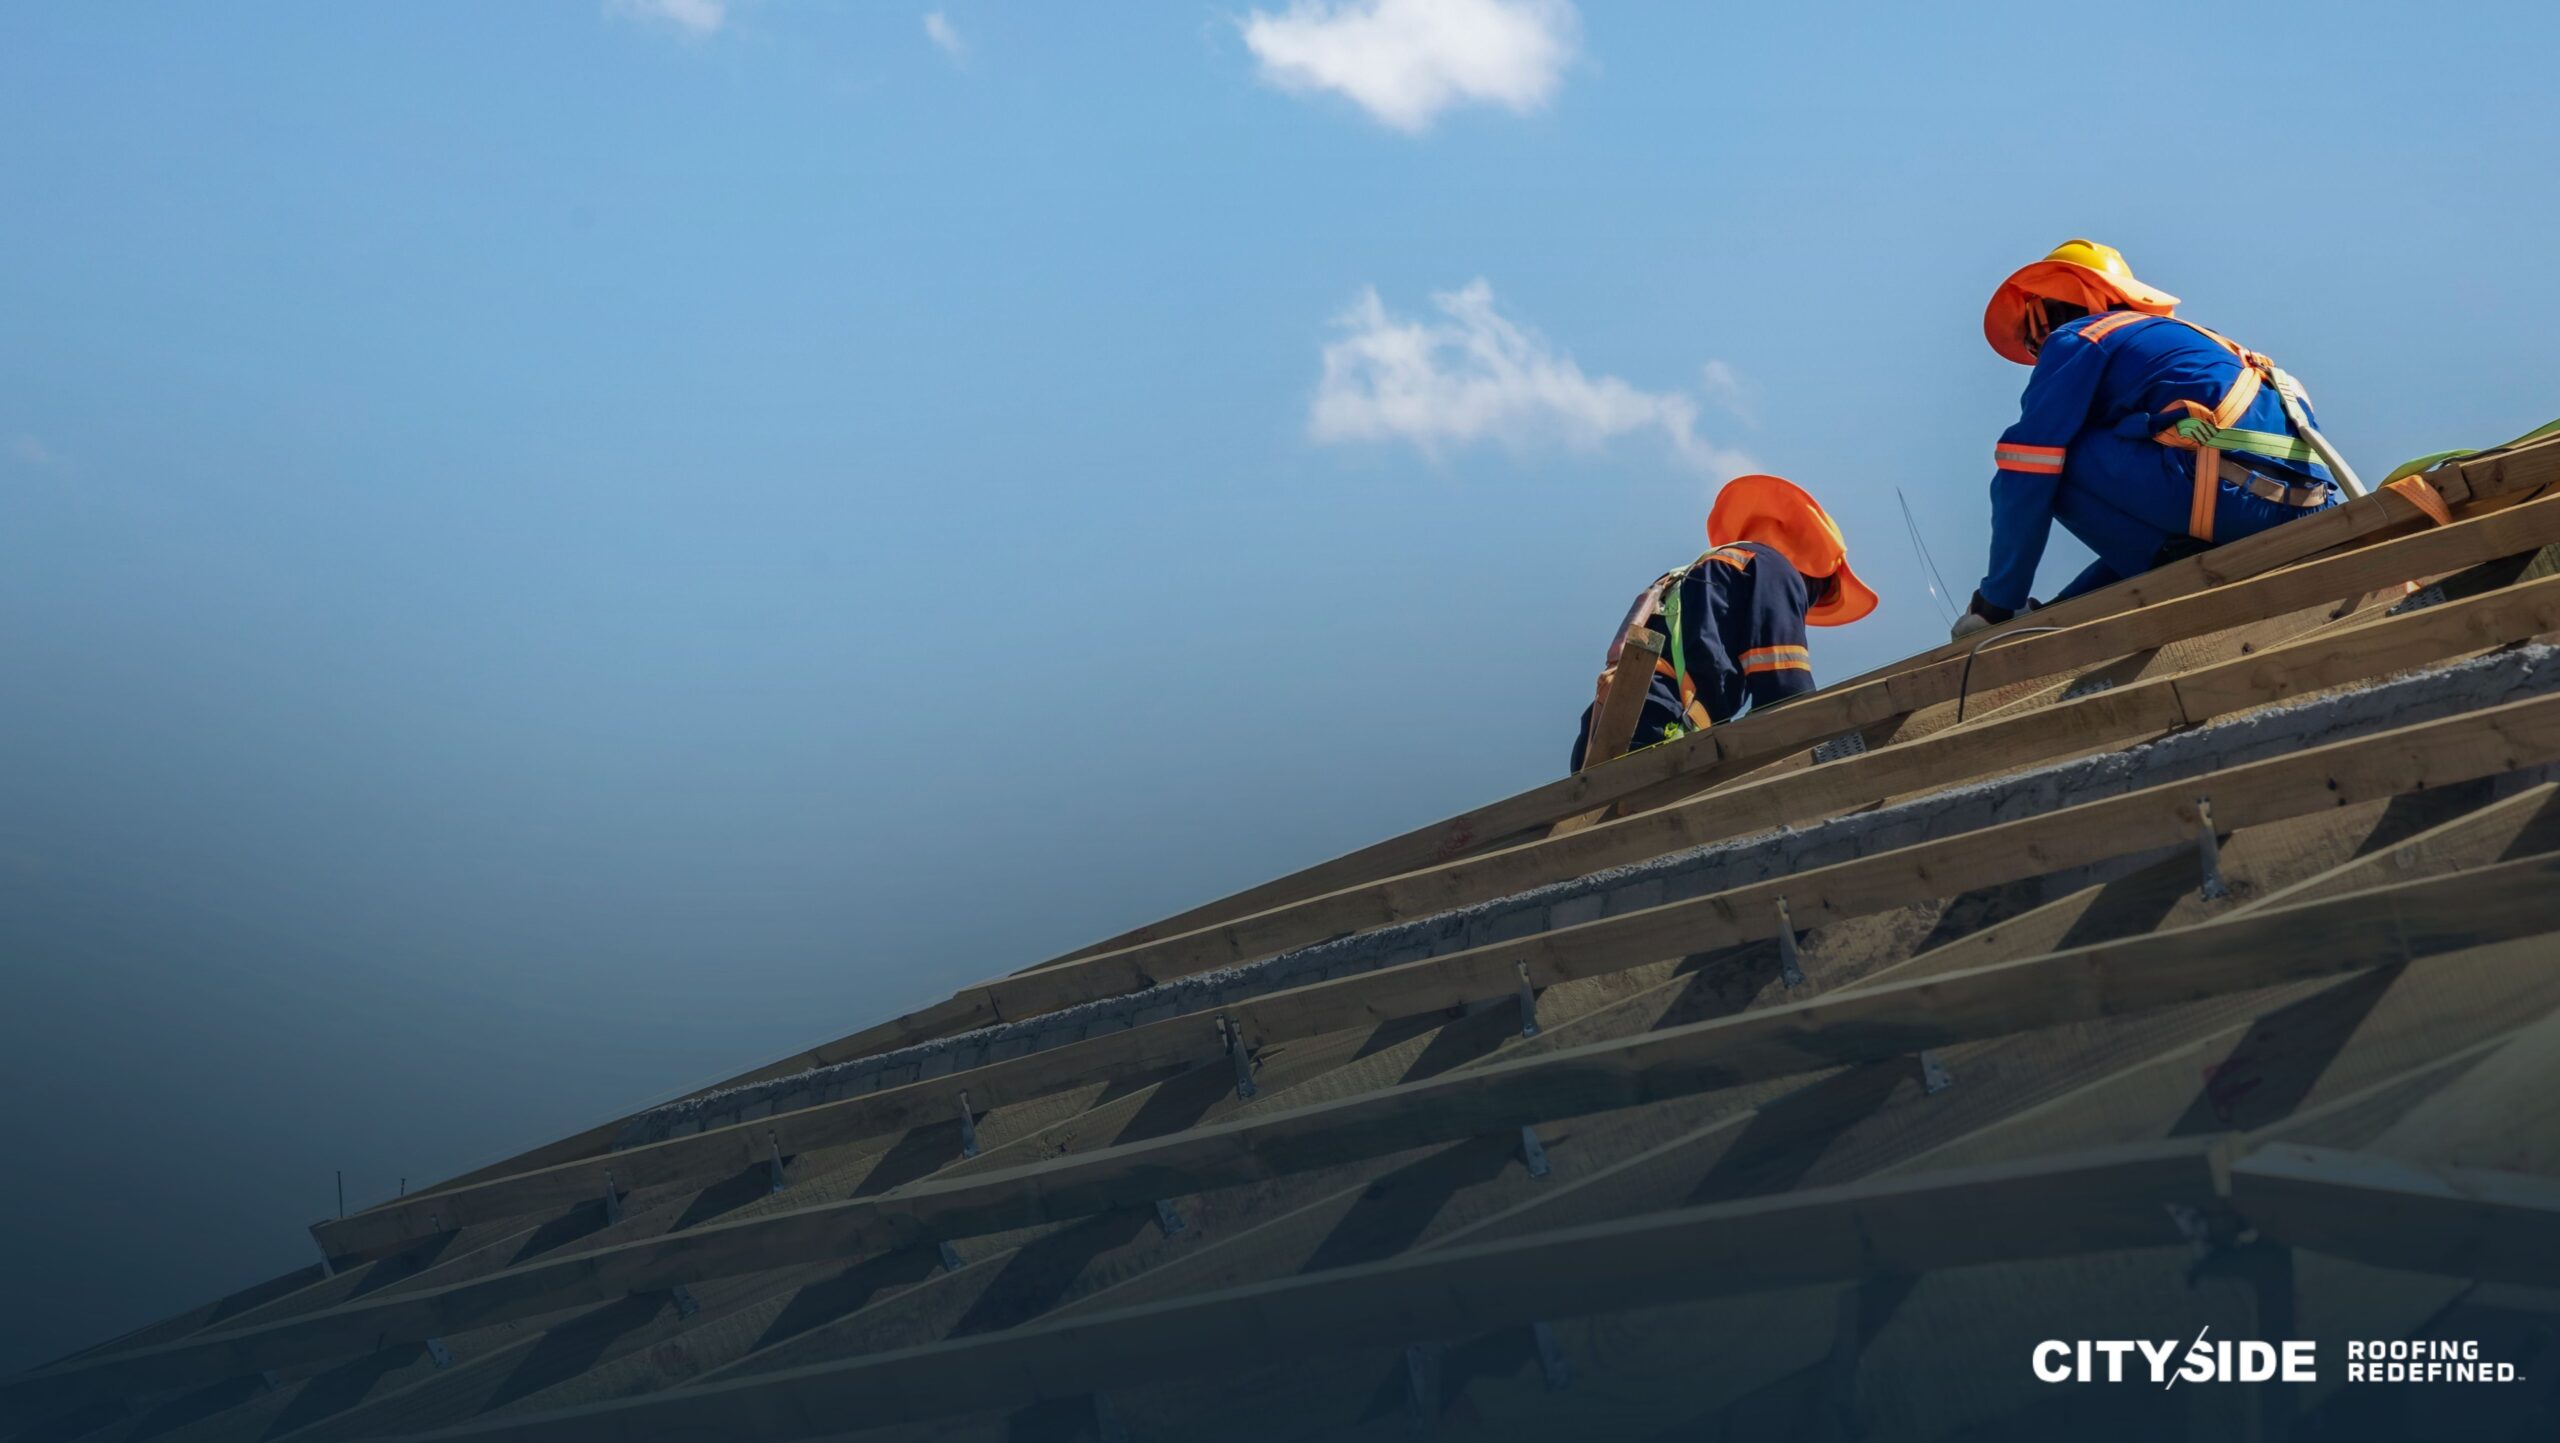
[1742, 620]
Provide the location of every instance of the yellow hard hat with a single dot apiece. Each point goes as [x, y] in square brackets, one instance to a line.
[2081, 272]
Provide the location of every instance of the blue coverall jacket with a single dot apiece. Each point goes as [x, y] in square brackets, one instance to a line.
[2081, 453]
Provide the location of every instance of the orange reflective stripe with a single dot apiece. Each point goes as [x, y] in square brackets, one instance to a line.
[1777, 658]
[2108, 324]
[2035, 460]
[1733, 556]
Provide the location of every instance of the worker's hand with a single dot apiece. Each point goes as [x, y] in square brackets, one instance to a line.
[1977, 615]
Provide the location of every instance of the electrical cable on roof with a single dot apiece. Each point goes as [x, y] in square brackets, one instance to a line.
[1938, 591]
[1964, 683]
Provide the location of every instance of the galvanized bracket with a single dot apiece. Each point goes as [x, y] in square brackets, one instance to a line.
[1847, 744]
[1934, 1077]
[442, 1355]
[1552, 1363]
[1790, 971]
[950, 1257]
[1234, 1036]
[1533, 1152]
[1168, 1218]
[773, 1163]
[329, 1265]
[612, 1202]
[686, 1307]
[2209, 852]
[968, 1128]
[1528, 1004]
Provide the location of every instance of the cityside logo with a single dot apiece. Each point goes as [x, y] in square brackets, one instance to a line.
[2209, 1360]
[2120, 1360]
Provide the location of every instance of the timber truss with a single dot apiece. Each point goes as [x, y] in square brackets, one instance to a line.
[2191, 948]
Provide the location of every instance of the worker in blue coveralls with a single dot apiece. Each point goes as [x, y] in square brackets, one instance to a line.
[1733, 621]
[2146, 435]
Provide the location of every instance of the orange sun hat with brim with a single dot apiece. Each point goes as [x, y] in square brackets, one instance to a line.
[1778, 513]
[2084, 273]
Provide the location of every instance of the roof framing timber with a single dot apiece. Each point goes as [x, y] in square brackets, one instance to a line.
[2473, 484]
[2052, 1207]
[2400, 970]
[2400, 924]
[2103, 1200]
[2486, 742]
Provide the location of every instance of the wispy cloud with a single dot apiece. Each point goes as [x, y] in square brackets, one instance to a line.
[32, 452]
[1470, 374]
[696, 17]
[1405, 61]
[1721, 384]
[937, 28]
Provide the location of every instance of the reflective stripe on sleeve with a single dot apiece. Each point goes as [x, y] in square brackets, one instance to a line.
[2035, 460]
[1777, 658]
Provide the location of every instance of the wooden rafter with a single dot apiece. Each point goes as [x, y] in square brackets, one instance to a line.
[2478, 483]
[507, 1263]
[2367, 929]
[2052, 1207]
[2472, 744]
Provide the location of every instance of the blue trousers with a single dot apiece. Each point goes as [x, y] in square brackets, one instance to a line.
[2129, 525]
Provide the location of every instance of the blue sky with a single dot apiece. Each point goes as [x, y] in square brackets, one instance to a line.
[549, 552]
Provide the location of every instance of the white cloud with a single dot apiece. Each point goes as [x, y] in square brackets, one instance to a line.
[937, 28]
[1730, 389]
[698, 17]
[1405, 61]
[1470, 374]
[31, 451]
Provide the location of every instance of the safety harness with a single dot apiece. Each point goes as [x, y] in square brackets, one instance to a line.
[2214, 433]
[1663, 599]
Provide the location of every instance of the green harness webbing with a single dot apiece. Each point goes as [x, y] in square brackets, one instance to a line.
[1690, 710]
[2433, 460]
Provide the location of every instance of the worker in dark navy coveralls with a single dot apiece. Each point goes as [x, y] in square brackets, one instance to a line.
[1733, 621]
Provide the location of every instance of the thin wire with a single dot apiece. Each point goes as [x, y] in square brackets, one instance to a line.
[1964, 683]
[1939, 592]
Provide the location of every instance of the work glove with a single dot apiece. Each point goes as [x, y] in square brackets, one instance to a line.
[1978, 614]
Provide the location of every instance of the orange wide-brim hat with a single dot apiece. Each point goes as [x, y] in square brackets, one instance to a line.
[1777, 512]
[2103, 286]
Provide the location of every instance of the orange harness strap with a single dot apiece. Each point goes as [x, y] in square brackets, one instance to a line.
[2416, 491]
[1689, 705]
[2255, 372]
